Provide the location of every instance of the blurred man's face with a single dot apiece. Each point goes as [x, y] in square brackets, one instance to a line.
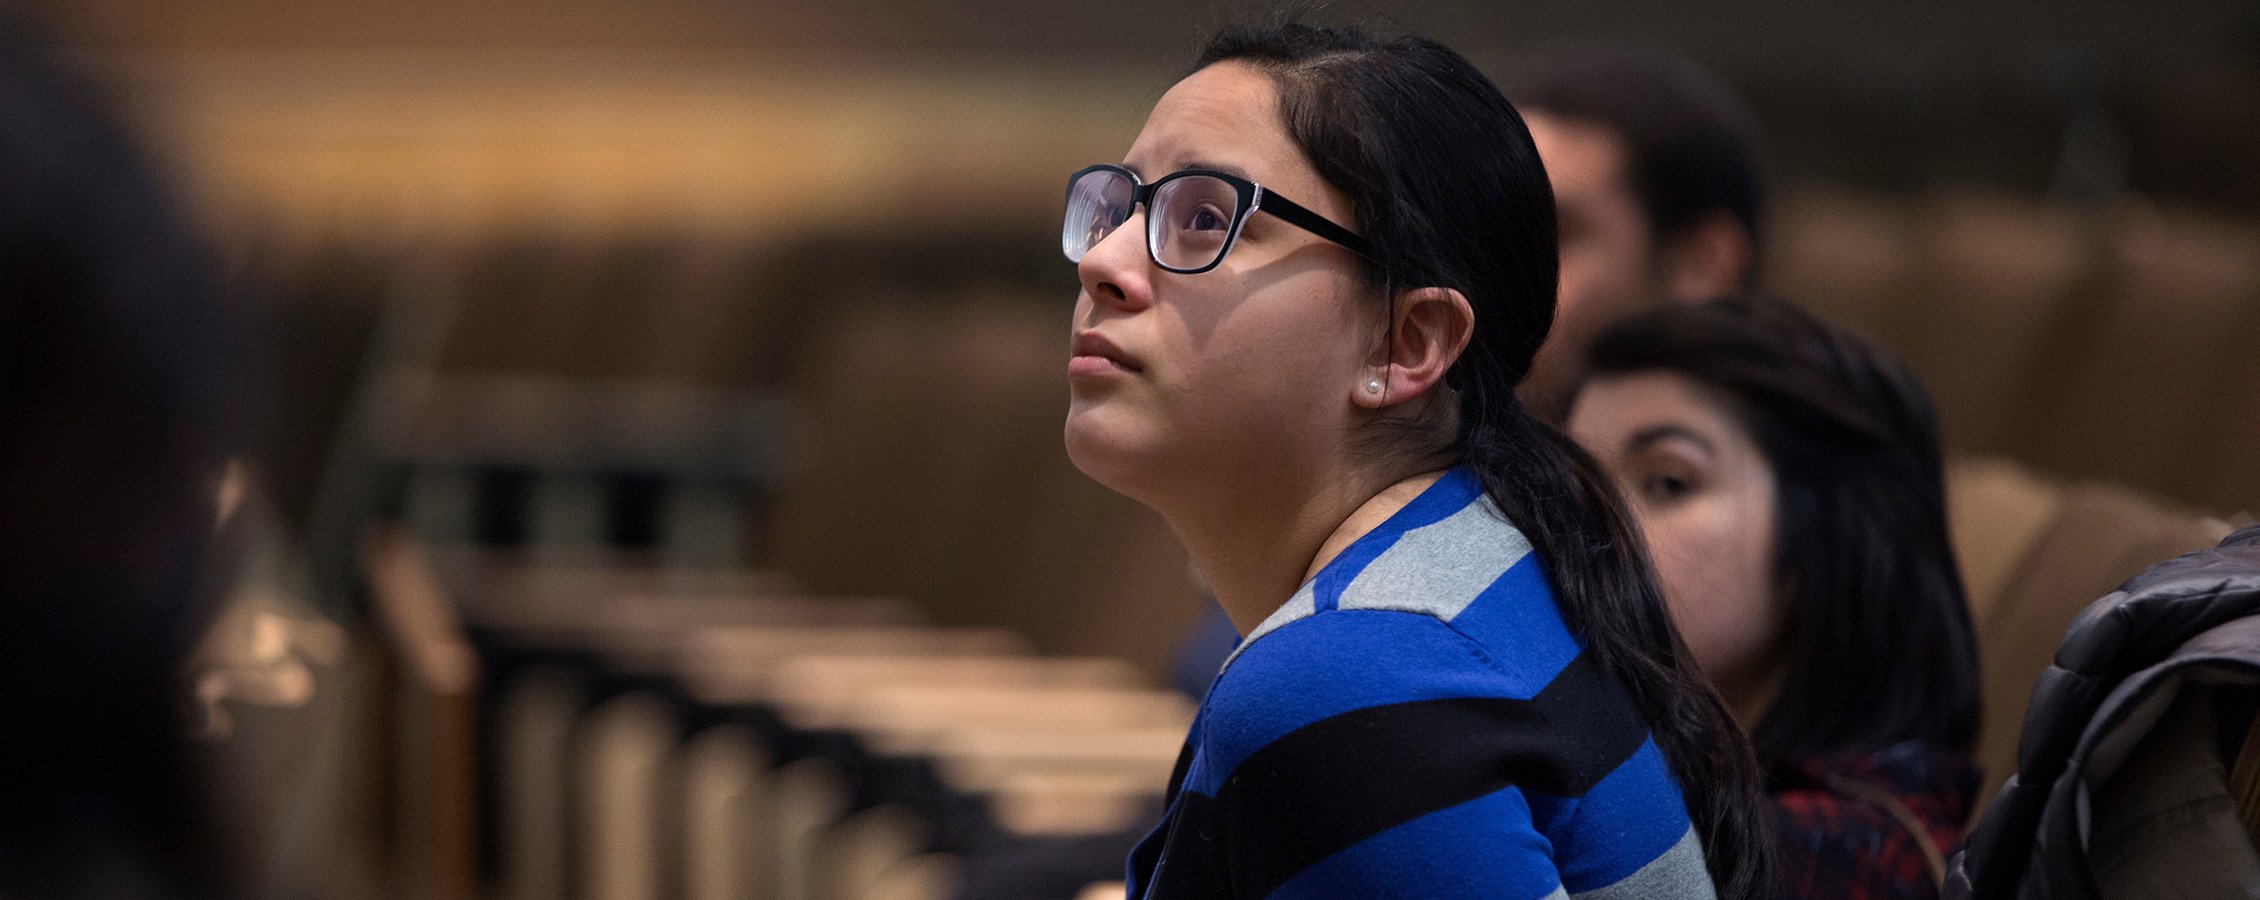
[1610, 264]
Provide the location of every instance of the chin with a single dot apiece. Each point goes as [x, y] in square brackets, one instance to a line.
[1107, 452]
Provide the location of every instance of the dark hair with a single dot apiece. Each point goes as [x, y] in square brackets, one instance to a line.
[1881, 648]
[1448, 189]
[1692, 147]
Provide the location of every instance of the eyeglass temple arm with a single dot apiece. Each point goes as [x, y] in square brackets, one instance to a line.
[1295, 214]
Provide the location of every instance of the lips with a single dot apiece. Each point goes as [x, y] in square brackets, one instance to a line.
[1092, 352]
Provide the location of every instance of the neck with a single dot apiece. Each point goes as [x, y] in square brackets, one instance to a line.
[1257, 547]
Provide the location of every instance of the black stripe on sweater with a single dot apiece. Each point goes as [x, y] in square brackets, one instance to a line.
[1330, 784]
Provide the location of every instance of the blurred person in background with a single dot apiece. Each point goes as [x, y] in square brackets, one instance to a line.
[1787, 478]
[1659, 184]
[117, 360]
[1458, 677]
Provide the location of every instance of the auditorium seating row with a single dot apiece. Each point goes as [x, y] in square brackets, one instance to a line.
[520, 725]
[2092, 343]
[644, 733]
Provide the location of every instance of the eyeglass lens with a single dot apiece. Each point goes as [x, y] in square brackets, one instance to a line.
[1097, 203]
[1189, 218]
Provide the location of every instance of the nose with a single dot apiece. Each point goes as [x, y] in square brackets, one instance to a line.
[1116, 271]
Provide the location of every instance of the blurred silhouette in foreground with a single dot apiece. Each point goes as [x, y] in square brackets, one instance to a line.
[116, 373]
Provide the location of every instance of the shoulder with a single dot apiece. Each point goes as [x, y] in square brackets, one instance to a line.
[1858, 795]
[1854, 821]
[1372, 752]
[1327, 664]
[1333, 688]
[1376, 728]
[1835, 846]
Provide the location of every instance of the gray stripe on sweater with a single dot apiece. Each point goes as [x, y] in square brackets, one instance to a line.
[1302, 605]
[1440, 568]
[1678, 872]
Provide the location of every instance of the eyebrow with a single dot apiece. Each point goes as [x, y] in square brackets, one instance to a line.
[1226, 168]
[1654, 434]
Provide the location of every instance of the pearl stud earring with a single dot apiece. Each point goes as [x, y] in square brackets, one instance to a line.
[1373, 386]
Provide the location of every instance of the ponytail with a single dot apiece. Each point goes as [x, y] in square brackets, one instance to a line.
[1557, 496]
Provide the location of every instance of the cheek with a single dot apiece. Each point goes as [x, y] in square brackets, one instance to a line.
[1576, 287]
[1713, 562]
[1600, 281]
[1229, 381]
[1289, 348]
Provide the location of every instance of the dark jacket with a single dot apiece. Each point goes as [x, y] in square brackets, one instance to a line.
[2127, 668]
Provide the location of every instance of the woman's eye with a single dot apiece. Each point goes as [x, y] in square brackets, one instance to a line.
[1205, 219]
[1664, 488]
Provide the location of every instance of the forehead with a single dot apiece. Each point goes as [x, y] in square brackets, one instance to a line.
[1578, 155]
[1613, 408]
[1224, 116]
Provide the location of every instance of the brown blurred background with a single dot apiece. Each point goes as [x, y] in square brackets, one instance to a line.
[775, 283]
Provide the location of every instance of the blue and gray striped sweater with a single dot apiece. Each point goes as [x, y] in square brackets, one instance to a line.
[1417, 721]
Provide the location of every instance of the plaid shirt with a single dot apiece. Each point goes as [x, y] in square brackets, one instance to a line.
[1837, 844]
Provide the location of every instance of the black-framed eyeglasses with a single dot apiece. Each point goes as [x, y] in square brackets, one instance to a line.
[1192, 216]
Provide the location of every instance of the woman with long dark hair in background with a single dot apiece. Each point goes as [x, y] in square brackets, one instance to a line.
[1788, 478]
[1308, 292]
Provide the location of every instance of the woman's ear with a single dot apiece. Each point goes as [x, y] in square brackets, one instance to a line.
[1711, 258]
[1428, 329]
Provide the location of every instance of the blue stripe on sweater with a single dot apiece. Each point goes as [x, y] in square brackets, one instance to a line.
[1623, 822]
[1274, 688]
[1467, 850]
[1517, 621]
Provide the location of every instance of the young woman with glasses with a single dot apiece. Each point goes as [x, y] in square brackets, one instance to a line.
[1458, 679]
